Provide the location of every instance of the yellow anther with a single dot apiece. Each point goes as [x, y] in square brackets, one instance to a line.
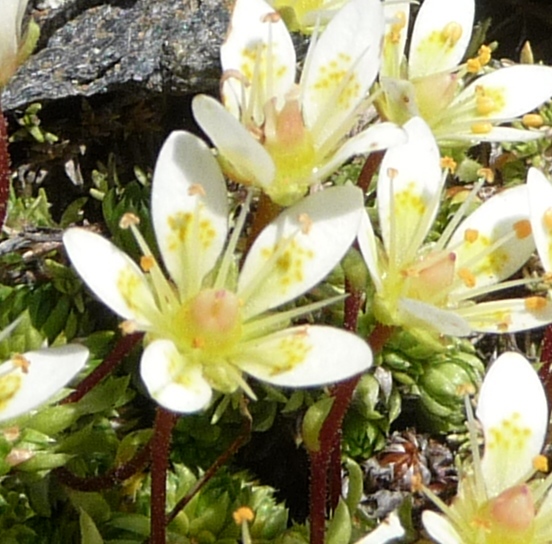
[392, 173]
[243, 513]
[534, 304]
[540, 463]
[128, 327]
[532, 120]
[397, 27]
[306, 223]
[196, 190]
[147, 262]
[485, 105]
[449, 164]
[481, 128]
[473, 66]
[522, 228]
[487, 174]
[484, 55]
[272, 17]
[465, 389]
[21, 362]
[451, 33]
[128, 220]
[471, 235]
[198, 342]
[467, 277]
[547, 219]
[416, 482]
[504, 325]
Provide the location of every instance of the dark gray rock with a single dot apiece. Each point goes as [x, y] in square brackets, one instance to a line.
[90, 47]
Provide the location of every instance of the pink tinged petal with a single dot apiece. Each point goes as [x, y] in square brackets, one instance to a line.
[374, 138]
[244, 159]
[409, 190]
[299, 248]
[388, 530]
[396, 30]
[369, 249]
[509, 315]
[513, 412]
[504, 217]
[440, 529]
[341, 68]
[37, 376]
[259, 47]
[189, 209]
[174, 382]
[440, 37]
[417, 314]
[540, 207]
[508, 92]
[111, 274]
[305, 356]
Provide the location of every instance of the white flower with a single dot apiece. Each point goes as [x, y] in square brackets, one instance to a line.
[457, 105]
[281, 136]
[11, 18]
[540, 205]
[204, 327]
[29, 380]
[432, 285]
[496, 502]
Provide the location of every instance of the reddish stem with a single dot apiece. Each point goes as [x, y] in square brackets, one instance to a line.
[164, 423]
[121, 349]
[545, 372]
[211, 471]
[372, 163]
[4, 168]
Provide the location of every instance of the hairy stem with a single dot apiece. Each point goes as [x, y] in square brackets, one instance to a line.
[4, 168]
[164, 423]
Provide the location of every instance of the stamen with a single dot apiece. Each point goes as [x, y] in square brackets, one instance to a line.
[481, 128]
[487, 174]
[128, 220]
[547, 219]
[532, 120]
[471, 235]
[147, 262]
[21, 362]
[128, 327]
[467, 277]
[451, 33]
[196, 190]
[272, 17]
[535, 304]
[522, 229]
[449, 164]
[244, 513]
[306, 223]
[540, 463]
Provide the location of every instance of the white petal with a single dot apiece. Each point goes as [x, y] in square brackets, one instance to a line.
[439, 528]
[509, 315]
[540, 208]
[504, 216]
[389, 529]
[175, 383]
[369, 248]
[430, 51]
[419, 314]
[243, 157]
[299, 248]
[374, 138]
[409, 191]
[454, 133]
[305, 356]
[49, 370]
[513, 411]
[515, 90]
[189, 208]
[342, 67]
[111, 274]
[10, 34]
[262, 51]
[396, 29]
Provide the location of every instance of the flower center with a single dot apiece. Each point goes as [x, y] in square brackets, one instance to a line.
[291, 147]
[212, 321]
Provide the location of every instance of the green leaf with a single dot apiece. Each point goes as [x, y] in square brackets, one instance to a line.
[340, 527]
[89, 531]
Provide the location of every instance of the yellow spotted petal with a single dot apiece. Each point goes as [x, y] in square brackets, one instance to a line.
[340, 68]
[509, 315]
[259, 48]
[189, 209]
[299, 248]
[112, 275]
[174, 382]
[540, 207]
[513, 411]
[305, 356]
[495, 240]
[418, 314]
[396, 29]
[29, 380]
[409, 191]
[440, 36]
